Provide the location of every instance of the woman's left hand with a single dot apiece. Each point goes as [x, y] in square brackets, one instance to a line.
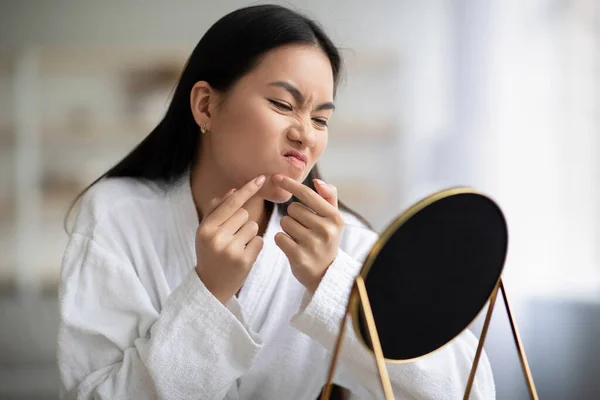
[312, 231]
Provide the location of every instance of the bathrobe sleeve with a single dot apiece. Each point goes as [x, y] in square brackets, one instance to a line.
[115, 344]
[440, 375]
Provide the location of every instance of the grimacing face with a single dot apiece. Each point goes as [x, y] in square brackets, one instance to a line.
[274, 119]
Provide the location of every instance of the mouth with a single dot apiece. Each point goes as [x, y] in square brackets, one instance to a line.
[297, 159]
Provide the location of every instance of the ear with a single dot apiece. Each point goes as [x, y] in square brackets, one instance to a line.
[202, 98]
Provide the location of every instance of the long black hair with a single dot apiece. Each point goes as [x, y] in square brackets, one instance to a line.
[227, 51]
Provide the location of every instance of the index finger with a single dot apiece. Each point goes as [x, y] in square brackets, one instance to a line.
[235, 201]
[214, 203]
[309, 197]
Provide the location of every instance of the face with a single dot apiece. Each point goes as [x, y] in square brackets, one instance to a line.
[274, 120]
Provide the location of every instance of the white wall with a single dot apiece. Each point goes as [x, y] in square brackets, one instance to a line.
[542, 140]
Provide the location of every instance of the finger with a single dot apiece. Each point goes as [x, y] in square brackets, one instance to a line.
[254, 247]
[286, 244]
[309, 197]
[295, 230]
[328, 192]
[234, 223]
[235, 201]
[246, 233]
[304, 215]
[214, 203]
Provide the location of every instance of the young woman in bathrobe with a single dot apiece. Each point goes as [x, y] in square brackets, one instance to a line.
[212, 262]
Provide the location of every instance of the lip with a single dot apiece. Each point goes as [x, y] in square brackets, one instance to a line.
[296, 159]
[296, 154]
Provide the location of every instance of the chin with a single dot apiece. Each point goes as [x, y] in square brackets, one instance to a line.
[275, 194]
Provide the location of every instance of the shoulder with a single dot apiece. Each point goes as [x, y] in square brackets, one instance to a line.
[115, 201]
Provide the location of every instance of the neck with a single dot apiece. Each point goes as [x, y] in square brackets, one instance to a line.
[208, 183]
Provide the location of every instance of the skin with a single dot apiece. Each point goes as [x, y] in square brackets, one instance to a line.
[282, 104]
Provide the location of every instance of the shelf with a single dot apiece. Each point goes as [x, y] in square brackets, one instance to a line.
[7, 137]
[7, 246]
[88, 150]
[96, 128]
[93, 59]
[7, 209]
[6, 62]
[7, 177]
[56, 201]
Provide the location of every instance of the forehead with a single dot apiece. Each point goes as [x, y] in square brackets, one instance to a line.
[306, 67]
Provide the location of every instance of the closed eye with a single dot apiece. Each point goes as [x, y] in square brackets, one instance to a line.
[320, 121]
[280, 105]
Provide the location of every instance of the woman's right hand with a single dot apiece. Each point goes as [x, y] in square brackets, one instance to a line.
[227, 244]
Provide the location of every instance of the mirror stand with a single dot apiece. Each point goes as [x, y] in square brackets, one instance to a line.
[359, 293]
[359, 289]
[520, 349]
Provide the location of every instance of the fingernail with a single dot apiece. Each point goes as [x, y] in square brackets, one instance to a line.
[320, 182]
[260, 180]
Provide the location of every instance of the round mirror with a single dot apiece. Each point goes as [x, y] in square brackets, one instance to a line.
[432, 272]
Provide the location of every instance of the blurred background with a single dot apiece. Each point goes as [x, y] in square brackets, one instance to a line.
[502, 95]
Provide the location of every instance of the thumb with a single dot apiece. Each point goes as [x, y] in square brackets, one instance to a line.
[328, 192]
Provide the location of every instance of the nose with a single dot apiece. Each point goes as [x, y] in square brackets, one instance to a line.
[302, 133]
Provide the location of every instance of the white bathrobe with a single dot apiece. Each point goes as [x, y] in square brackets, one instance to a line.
[138, 323]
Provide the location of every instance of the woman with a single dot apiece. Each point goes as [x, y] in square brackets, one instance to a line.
[187, 276]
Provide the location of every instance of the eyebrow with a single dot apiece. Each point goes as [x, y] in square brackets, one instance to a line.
[299, 97]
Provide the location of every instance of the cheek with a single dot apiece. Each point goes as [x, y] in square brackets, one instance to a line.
[246, 138]
[259, 119]
[254, 131]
